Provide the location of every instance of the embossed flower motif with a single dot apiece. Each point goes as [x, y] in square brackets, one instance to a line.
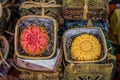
[34, 40]
[86, 47]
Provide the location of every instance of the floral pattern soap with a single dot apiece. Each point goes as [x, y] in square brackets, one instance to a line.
[34, 40]
[85, 47]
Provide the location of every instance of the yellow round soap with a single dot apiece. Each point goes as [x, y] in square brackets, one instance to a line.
[85, 47]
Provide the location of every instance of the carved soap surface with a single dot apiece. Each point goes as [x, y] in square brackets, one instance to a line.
[34, 40]
[85, 47]
[35, 37]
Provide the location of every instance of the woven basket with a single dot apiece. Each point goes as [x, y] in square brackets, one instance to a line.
[70, 34]
[85, 9]
[4, 48]
[31, 65]
[92, 71]
[47, 23]
[83, 23]
[88, 72]
[34, 8]
[33, 71]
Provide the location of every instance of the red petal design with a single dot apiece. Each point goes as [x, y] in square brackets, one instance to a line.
[34, 40]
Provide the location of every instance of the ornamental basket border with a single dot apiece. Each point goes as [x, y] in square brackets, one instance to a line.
[55, 26]
[77, 31]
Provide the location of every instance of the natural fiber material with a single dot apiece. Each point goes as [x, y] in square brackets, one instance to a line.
[48, 23]
[34, 40]
[103, 70]
[2, 58]
[4, 49]
[83, 23]
[7, 3]
[72, 55]
[34, 8]
[85, 47]
[88, 71]
[85, 9]
[35, 71]
[31, 65]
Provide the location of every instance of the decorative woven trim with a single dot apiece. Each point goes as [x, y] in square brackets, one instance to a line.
[88, 71]
[43, 5]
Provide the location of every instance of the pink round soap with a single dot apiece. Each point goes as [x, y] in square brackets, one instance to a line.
[34, 40]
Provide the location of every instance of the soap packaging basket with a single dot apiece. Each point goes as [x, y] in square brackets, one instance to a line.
[42, 65]
[85, 9]
[36, 45]
[50, 69]
[82, 67]
[70, 34]
[28, 42]
[51, 8]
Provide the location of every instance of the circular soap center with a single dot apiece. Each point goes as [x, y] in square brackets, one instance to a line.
[86, 46]
[33, 38]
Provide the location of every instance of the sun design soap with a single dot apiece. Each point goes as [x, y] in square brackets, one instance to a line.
[85, 47]
[34, 40]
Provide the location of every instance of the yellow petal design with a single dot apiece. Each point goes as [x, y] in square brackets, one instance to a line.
[85, 47]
